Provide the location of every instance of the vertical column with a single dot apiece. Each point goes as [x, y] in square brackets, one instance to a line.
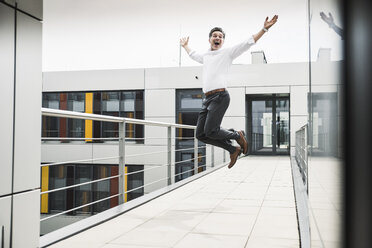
[27, 127]
[169, 145]
[20, 128]
[7, 40]
[122, 173]
[212, 157]
[88, 123]
[195, 154]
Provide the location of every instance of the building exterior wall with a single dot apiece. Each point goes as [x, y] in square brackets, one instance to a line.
[160, 85]
[20, 46]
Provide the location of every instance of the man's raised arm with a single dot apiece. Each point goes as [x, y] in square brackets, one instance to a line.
[267, 25]
[184, 42]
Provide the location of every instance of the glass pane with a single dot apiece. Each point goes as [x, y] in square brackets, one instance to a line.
[262, 126]
[282, 126]
[127, 101]
[83, 193]
[110, 102]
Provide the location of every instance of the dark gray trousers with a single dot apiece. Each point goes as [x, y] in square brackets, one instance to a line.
[208, 128]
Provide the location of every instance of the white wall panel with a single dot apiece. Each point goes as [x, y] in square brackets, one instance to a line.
[26, 219]
[269, 74]
[28, 104]
[326, 73]
[93, 80]
[152, 132]
[237, 102]
[175, 77]
[267, 90]
[6, 96]
[5, 206]
[299, 100]
[160, 103]
[236, 122]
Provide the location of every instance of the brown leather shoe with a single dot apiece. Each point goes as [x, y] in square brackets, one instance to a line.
[234, 156]
[242, 141]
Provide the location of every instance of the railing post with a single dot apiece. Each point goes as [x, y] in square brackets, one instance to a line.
[121, 162]
[212, 156]
[305, 158]
[195, 154]
[169, 145]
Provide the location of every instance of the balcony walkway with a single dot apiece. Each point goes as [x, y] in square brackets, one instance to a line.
[251, 205]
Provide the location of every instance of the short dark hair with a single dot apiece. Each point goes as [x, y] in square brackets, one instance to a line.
[216, 29]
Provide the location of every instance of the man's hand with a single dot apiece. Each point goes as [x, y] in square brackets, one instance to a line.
[329, 20]
[184, 41]
[268, 24]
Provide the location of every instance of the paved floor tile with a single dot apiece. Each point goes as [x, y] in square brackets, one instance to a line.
[264, 242]
[196, 240]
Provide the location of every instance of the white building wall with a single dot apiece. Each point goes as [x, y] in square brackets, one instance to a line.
[160, 85]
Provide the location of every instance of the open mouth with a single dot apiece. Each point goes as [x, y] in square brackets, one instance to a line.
[216, 43]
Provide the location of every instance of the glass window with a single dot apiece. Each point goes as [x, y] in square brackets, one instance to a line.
[188, 104]
[135, 181]
[50, 125]
[76, 127]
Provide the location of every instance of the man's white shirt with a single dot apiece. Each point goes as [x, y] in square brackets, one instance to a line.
[216, 64]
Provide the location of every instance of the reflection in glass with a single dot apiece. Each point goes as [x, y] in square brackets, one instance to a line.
[325, 150]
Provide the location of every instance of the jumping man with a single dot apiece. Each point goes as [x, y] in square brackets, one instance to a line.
[216, 63]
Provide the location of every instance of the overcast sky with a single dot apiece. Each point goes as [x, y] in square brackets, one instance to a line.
[119, 34]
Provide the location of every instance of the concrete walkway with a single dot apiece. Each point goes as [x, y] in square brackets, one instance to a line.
[251, 205]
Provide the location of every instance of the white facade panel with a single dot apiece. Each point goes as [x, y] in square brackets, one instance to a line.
[26, 219]
[237, 102]
[28, 104]
[182, 77]
[5, 213]
[93, 80]
[6, 96]
[155, 135]
[326, 73]
[324, 88]
[160, 103]
[299, 100]
[235, 122]
[267, 90]
[269, 75]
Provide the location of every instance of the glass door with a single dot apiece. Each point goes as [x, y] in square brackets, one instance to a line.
[268, 124]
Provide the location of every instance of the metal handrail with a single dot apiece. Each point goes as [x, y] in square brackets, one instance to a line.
[106, 118]
[78, 185]
[170, 175]
[79, 161]
[301, 152]
[82, 206]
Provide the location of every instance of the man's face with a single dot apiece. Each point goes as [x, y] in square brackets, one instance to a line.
[216, 40]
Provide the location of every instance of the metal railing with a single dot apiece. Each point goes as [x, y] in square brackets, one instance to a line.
[122, 158]
[301, 153]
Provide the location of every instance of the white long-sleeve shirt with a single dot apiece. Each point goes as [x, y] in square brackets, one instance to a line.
[216, 63]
